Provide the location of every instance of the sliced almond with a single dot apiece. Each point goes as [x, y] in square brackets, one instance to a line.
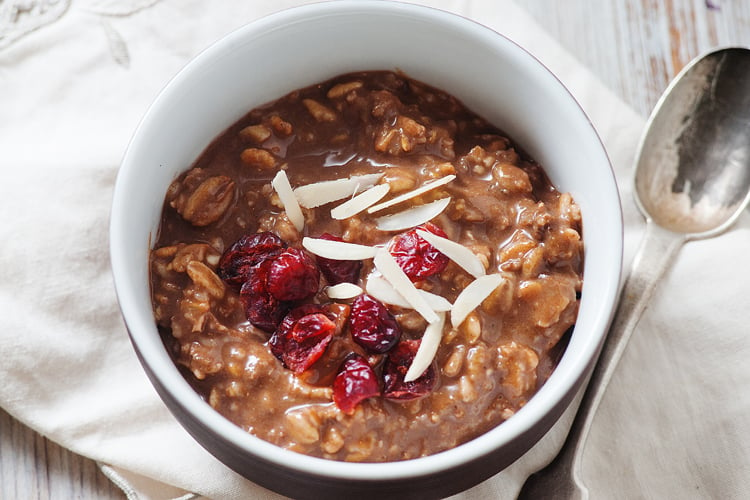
[427, 349]
[338, 250]
[391, 271]
[320, 193]
[473, 295]
[281, 184]
[360, 202]
[456, 252]
[428, 186]
[343, 291]
[413, 216]
[381, 289]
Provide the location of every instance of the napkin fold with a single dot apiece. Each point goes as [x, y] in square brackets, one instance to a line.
[75, 78]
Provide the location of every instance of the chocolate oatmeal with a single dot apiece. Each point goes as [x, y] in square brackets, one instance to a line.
[365, 270]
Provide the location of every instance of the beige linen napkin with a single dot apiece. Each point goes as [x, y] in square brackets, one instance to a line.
[75, 78]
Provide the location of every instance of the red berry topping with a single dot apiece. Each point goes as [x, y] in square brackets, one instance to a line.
[372, 326]
[394, 371]
[293, 275]
[418, 258]
[312, 325]
[356, 381]
[261, 308]
[284, 330]
[302, 337]
[338, 271]
[245, 253]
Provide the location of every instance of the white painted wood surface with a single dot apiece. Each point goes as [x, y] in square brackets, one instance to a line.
[634, 46]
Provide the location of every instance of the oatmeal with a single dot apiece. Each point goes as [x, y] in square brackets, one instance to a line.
[365, 270]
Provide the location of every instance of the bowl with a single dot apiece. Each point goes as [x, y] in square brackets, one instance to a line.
[295, 48]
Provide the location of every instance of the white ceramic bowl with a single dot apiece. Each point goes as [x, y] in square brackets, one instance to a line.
[296, 48]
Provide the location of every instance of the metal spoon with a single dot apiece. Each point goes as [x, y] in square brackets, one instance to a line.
[692, 181]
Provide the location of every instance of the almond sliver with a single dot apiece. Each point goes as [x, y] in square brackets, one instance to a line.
[413, 216]
[379, 288]
[391, 271]
[338, 250]
[427, 349]
[428, 186]
[343, 291]
[280, 184]
[360, 202]
[320, 193]
[473, 295]
[456, 252]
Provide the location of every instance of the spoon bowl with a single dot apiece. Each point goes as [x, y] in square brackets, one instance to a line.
[692, 180]
[693, 171]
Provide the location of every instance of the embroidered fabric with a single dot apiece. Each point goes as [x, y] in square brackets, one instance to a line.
[18, 18]
[21, 17]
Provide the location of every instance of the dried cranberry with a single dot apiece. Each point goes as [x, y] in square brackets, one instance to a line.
[293, 275]
[372, 326]
[300, 355]
[338, 271]
[261, 308]
[356, 381]
[284, 330]
[312, 325]
[302, 337]
[418, 258]
[394, 371]
[245, 253]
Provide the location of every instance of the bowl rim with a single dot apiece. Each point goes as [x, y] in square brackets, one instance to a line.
[544, 401]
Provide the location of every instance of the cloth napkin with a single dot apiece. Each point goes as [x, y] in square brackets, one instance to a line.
[75, 78]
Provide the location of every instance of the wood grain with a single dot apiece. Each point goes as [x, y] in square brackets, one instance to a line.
[637, 46]
[32, 467]
[634, 46]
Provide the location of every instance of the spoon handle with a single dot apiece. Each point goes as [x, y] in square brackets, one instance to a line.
[561, 479]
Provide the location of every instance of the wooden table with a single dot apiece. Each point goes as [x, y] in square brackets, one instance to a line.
[634, 46]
